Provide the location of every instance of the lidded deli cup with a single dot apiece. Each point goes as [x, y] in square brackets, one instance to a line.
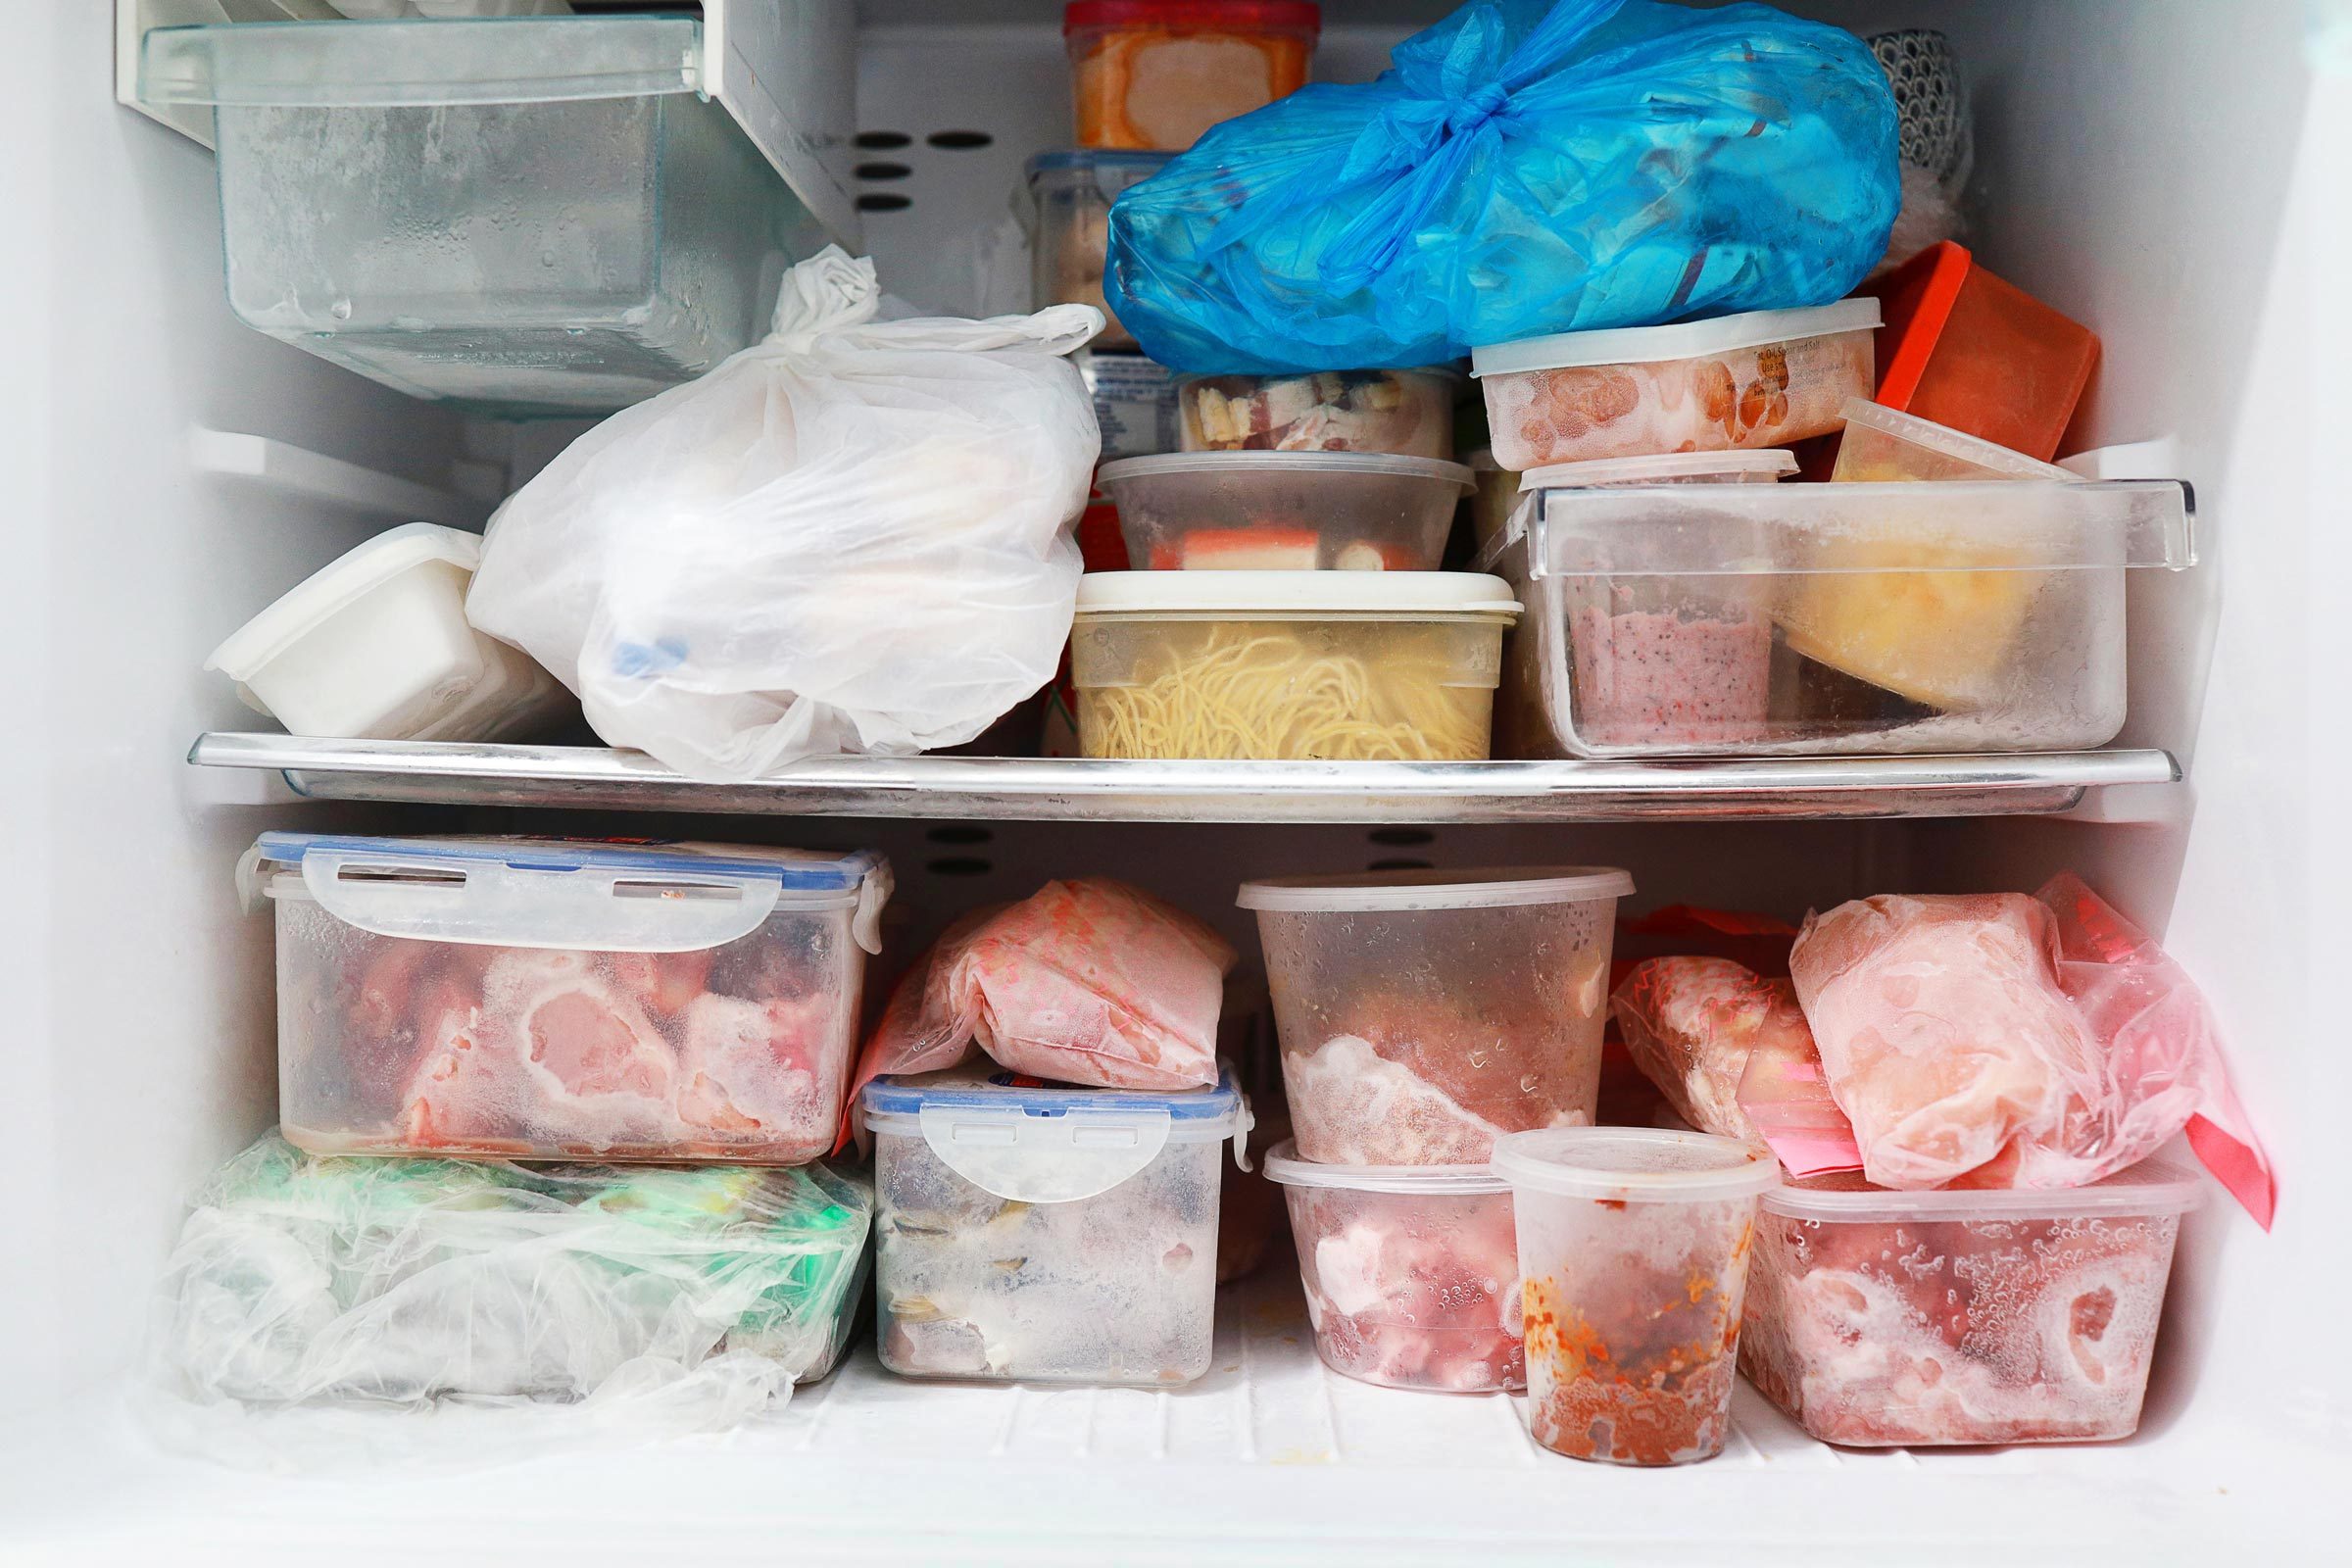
[1159, 73]
[1423, 1015]
[1286, 511]
[1072, 191]
[1408, 413]
[1633, 1252]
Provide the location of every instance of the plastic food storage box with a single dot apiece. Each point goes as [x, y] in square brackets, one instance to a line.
[1286, 511]
[1965, 349]
[375, 646]
[1035, 1231]
[1073, 192]
[1879, 1318]
[1135, 402]
[1260, 665]
[1411, 1272]
[1729, 620]
[1407, 413]
[555, 999]
[1424, 1013]
[1159, 73]
[1760, 379]
[535, 215]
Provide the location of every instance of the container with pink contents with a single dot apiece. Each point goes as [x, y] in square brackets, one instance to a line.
[541, 999]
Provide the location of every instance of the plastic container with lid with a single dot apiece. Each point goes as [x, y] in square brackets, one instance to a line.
[1159, 73]
[375, 646]
[1408, 413]
[1633, 1244]
[1965, 349]
[1286, 511]
[1881, 1318]
[1423, 1015]
[528, 216]
[1299, 664]
[1884, 446]
[1763, 619]
[1035, 1231]
[1135, 402]
[1493, 496]
[544, 999]
[1411, 1272]
[1763, 378]
[1073, 192]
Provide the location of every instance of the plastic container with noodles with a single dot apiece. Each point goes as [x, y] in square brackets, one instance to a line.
[1350, 665]
[1286, 511]
[1159, 73]
[1408, 413]
[1073, 192]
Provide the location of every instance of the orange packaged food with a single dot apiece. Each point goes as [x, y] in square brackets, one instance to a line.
[1155, 73]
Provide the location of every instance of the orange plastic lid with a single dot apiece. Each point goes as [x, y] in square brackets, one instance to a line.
[1203, 15]
[1917, 302]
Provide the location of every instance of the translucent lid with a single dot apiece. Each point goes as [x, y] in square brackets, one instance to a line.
[2151, 1187]
[1284, 1165]
[1293, 463]
[997, 1089]
[1633, 1164]
[1498, 889]
[1683, 340]
[298, 611]
[1438, 595]
[1139, 163]
[1998, 461]
[1665, 466]
[421, 61]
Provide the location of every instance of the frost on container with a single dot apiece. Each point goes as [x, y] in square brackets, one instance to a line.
[1878, 1318]
[536, 999]
[1039, 1232]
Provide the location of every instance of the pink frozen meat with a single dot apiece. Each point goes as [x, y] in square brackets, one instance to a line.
[1691, 1025]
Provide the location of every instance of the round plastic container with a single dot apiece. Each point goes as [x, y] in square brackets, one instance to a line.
[1763, 378]
[1423, 1015]
[1633, 1244]
[1286, 511]
[1159, 73]
[1358, 666]
[1408, 413]
[1411, 1272]
[1073, 192]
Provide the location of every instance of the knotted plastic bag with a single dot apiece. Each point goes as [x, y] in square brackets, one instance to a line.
[1522, 168]
[851, 536]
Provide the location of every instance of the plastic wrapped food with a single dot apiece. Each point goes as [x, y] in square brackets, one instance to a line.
[678, 1298]
[1407, 413]
[1159, 73]
[546, 999]
[1086, 982]
[1034, 1232]
[1692, 1025]
[1881, 1318]
[1411, 1273]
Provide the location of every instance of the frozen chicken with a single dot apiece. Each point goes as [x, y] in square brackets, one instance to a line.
[1692, 1025]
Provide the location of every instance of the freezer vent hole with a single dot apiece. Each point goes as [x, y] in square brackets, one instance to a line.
[1399, 866]
[884, 141]
[883, 170]
[960, 835]
[882, 201]
[960, 141]
[961, 865]
[1403, 838]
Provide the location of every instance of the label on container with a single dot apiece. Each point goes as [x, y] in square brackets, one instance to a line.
[1135, 404]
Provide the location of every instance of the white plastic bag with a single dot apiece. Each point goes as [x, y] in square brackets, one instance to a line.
[851, 536]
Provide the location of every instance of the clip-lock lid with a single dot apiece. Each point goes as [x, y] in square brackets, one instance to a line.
[1282, 1165]
[1683, 340]
[2151, 1187]
[1298, 595]
[297, 612]
[1667, 467]
[1633, 1164]
[1495, 889]
[1299, 463]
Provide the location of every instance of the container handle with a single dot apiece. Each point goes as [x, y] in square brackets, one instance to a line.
[1044, 1159]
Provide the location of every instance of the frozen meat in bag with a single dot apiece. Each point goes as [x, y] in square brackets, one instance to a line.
[1691, 1025]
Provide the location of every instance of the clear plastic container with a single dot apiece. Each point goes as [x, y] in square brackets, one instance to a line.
[1423, 1015]
[1351, 665]
[375, 646]
[1878, 1318]
[528, 216]
[1760, 379]
[1159, 73]
[1286, 511]
[1634, 1245]
[1042, 1233]
[1882, 446]
[1783, 619]
[536, 999]
[1411, 1272]
[1073, 192]
[1494, 497]
[1407, 413]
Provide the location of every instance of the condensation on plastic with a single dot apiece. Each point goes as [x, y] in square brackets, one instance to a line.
[850, 537]
[333, 1313]
[1522, 168]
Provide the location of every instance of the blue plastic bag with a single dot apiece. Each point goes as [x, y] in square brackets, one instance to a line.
[1522, 168]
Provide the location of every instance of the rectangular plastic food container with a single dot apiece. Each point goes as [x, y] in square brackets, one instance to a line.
[1350, 665]
[1878, 1318]
[1039, 1232]
[1286, 511]
[1073, 192]
[1761, 620]
[1407, 413]
[553, 998]
[535, 215]
[1760, 379]
[1159, 73]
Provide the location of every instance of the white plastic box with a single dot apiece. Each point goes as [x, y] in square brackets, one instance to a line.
[554, 999]
[1039, 1232]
